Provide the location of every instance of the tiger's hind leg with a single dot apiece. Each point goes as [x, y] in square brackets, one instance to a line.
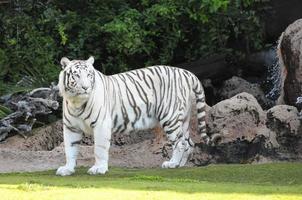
[181, 143]
[189, 144]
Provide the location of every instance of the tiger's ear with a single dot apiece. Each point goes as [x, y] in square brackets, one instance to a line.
[90, 60]
[64, 62]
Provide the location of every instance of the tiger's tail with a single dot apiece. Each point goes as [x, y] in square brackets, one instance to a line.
[201, 110]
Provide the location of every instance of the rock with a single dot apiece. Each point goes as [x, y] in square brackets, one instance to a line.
[237, 151]
[236, 118]
[290, 57]
[240, 122]
[236, 85]
[284, 121]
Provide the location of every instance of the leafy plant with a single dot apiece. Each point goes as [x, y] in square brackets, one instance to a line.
[4, 111]
[121, 34]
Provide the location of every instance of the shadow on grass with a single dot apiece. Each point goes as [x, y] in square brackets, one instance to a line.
[281, 178]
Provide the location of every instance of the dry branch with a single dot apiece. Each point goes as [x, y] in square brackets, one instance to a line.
[27, 107]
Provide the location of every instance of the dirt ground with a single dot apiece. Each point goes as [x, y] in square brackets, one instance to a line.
[139, 155]
[44, 150]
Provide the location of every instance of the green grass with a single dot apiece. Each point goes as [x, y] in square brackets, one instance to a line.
[267, 181]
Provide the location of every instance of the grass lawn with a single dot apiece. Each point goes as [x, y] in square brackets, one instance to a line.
[265, 181]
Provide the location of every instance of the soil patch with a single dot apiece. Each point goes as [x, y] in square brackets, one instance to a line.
[44, 150]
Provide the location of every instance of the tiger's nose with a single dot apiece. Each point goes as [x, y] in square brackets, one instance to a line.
[85, 87]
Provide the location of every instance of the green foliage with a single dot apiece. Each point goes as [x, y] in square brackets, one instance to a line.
[28, 49]
[4, 111]
[121, 34]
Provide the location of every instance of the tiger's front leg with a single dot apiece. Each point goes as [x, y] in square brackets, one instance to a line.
[71, 140]
[102, 136]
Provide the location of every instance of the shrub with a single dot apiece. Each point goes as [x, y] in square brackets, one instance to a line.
[121, 34]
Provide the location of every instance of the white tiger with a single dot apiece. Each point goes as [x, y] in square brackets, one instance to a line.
[101, 105]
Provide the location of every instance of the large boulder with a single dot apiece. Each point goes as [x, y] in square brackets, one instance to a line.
[284, 121]
[249, 134]
[239, 117]
[290, 59]
[238, 130]
[237, 85]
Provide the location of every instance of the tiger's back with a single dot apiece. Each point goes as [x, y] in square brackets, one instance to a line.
[158, 94]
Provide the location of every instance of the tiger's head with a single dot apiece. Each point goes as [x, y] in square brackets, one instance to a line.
[77, 77]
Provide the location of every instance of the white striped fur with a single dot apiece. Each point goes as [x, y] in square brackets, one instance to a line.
[101, 105]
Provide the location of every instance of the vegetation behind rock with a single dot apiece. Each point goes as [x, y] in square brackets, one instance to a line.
[121, 34]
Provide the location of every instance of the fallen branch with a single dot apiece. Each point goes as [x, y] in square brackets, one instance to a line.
[26, 107]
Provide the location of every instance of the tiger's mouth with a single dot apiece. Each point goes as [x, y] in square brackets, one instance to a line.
[86, 93]
[78, 94]
[84, 96]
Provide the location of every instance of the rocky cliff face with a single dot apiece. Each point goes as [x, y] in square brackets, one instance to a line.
[290, 56]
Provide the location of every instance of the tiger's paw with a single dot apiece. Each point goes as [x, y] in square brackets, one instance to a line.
[186, 156]
[97, 170]
[168, 164]
[64, 171]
